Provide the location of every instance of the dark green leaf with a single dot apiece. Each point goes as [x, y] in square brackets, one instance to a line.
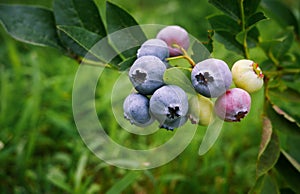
[224, 23]
[287, 103]
[79, 40]
[252, 37]
[181, 77]
[269, 149]
[250, 6]
[33, 25]
[285, 42]
[292, 160]
[281, 13]
[128, 34]
[209, 43]
[293, 81]
[253, 19]
[280, 122]
[83, 42]
[229, 7]
[265, 185]
[126, 63]
[229, 41]
[200, 52]
[288, 172]
[80, 13]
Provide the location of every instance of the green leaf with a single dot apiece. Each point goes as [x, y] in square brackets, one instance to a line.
[292, 160]
[250, 6]
[208, 44]
[200, 52]
[80, 170]
[280, 122]
[229, 41]
[181, 77]
[288, 172]
[281, 13]
[211, 135]
[124, 65]
[252, 37]
[89, 45]
[129, 35]
[265, 185]
[286, 103]
[80, 13]
[78, 39]
[269, 149]
[253, 19]
[29, 24]
[122, 184]
[285, 42]
[229, 7]
[224, 23]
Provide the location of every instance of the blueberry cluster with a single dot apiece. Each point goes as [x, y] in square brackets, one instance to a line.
[211, 78]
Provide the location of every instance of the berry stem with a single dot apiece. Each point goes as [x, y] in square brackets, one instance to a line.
[94, 63]
[243, 23]
[184, 55]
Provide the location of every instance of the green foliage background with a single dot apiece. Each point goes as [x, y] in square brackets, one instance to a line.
[42, 152]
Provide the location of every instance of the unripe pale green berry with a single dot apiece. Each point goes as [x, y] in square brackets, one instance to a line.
[200, 110]
[247, 75]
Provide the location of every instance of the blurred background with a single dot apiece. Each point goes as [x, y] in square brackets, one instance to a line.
[42, 152]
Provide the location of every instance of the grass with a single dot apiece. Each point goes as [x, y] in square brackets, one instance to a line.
[42, 151]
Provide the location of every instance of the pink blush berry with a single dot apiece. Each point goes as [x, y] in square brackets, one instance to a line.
[233, 105]
[174, 35]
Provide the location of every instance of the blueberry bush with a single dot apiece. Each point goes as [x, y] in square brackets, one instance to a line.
[264, 59]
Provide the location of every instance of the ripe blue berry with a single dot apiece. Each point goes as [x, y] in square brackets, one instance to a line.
[136, 110]
[233, 105]
[211, 77]
[146, 74]
[169, 105]
[174, 35]
[154, 47]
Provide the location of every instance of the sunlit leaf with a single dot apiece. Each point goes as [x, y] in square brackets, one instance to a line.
[200, 52]
[180, 77]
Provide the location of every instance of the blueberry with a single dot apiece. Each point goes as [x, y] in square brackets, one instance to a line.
[136, 110]
[211, 77]
[154, 47]
[233, 105]
[247, 75]
[146, 74]
[174, 35]
[169, 105]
